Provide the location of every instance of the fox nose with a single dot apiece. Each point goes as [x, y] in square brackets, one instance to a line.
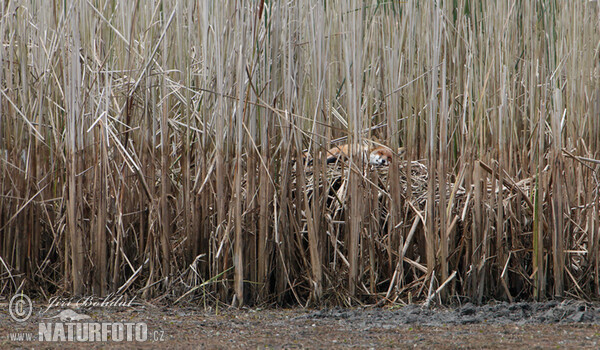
[381, 161]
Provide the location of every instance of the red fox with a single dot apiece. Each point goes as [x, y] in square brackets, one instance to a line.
[380, 155]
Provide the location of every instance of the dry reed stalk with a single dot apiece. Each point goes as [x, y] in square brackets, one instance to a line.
[238, 258]
[501, 237]
[352, 51]
[165, 183]
[442, 171]
[74, 160]
[183, 62]
[432, 233]
[264, 198]
[477, 256]
[558, 211]
[101, 193]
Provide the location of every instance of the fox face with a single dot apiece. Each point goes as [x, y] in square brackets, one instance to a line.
[380, 156]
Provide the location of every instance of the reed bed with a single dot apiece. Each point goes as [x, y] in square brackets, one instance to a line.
[155, 149]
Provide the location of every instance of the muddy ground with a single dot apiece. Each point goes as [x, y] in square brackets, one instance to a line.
[569, 324]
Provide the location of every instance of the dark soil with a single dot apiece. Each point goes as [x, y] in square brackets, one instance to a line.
[568, 324]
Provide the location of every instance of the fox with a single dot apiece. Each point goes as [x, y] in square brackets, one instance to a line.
[378, 156]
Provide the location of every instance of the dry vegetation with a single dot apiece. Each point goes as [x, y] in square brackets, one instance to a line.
[149, 148]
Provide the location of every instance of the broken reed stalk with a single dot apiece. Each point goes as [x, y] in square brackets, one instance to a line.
[139, 139]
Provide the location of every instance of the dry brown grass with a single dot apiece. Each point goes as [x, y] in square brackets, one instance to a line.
[150, 148]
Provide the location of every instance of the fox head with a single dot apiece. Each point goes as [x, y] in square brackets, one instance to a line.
[380, 156]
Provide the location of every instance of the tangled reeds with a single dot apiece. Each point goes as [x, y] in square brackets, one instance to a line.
[154, 148]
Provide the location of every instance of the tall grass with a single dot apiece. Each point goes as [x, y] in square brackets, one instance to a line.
[155, 148]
